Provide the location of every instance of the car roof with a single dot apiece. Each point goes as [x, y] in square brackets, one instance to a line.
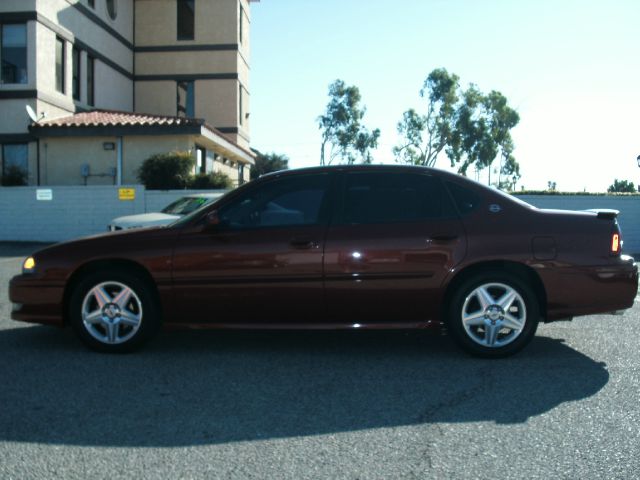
[366, 167]
[442, 174]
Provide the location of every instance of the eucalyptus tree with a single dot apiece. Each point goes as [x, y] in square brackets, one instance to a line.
[344, 136]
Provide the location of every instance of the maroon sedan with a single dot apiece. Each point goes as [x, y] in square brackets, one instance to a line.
[338, 247]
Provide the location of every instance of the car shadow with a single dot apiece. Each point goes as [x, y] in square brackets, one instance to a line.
[208, 387]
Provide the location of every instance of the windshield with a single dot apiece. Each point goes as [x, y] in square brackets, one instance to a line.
[186, 205]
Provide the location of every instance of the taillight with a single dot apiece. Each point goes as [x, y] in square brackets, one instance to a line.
[616, 244]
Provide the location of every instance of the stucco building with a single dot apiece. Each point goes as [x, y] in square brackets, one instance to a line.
[156, 75]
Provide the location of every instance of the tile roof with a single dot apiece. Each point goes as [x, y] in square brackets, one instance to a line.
[104, 118]
[115, 118]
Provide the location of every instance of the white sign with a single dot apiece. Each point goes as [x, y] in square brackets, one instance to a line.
[44, 194]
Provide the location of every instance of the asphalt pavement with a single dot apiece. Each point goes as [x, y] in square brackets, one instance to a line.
[298, 405]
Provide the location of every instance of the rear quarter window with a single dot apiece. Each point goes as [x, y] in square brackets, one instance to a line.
[466, 200]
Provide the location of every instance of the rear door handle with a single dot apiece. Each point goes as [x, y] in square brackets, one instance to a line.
[303, 243]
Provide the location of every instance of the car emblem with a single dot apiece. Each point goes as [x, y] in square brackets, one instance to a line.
[494, 208]
[111, 311]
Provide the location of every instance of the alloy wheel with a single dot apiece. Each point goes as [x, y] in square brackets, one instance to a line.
[111, 312]
[494, 315]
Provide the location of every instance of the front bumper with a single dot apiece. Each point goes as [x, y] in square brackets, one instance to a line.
[36, 301]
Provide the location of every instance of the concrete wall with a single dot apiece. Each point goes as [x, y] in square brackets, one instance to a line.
[217, 24]
[73, 211]
[60, 162]
[215, 100]
[77, 211]
[112, 89]
[61, 158]
[213, 22]
[61, 18]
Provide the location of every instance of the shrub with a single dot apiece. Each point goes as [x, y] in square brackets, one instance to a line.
[166, 171]
[215, 180]
[14, 176]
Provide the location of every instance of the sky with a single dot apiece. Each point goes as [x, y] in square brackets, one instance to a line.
[570, 68]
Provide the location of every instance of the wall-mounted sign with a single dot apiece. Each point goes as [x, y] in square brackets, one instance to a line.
[126, 193]
[45, 194]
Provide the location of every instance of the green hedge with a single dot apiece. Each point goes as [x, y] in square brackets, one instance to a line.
[573, 194]
[215, 180]
[167, 171]
[14, 176]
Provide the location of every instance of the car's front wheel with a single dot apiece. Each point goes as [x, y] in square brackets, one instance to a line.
[113, 311]
[493, 314]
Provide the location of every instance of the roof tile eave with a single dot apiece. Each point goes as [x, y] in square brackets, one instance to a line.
[102, 118]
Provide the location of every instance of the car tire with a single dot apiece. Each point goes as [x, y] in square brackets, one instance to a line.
[493, 314]
[114, 311]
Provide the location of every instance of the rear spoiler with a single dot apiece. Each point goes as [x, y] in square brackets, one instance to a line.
[605, 213]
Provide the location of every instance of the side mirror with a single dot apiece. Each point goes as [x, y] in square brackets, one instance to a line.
[212, 220]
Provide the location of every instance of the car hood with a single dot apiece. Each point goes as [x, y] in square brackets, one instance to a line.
[143, 220]
[120, 244]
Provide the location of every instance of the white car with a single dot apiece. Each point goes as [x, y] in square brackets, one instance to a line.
[169, 214]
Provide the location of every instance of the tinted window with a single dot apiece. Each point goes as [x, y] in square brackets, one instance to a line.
[281, 202]
[75, 76]
[15, 156]
[60, 65]
[465, 199]
[112, 9]
[90, 82]
[186, 19]
[386, 197]
[186, 99]
[13, 53]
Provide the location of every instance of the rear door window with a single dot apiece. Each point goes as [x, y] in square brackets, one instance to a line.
[388, 197]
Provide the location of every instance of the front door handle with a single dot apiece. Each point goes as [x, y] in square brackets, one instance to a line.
[303, 243]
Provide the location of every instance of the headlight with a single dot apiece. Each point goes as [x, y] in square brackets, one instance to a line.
[29, 265]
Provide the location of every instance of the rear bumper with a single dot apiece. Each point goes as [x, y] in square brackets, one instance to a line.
[35, 301]
[588, 290]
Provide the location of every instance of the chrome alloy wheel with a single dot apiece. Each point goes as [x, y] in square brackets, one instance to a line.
[494, 315]
[111, 312]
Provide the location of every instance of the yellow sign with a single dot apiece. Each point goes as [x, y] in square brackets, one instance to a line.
[126, 193]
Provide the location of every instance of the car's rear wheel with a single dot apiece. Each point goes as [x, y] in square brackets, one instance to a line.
[113, 311]
[493, 314]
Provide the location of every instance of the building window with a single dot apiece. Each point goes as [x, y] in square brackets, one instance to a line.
[186, 19]
[240, 109]
[186, 101]
[240, 26]
[92, 3]
[75, 75]
[13, 53]
[90, 80]
[60, 65]
[15, 158]
[112, 9]
[240, 174]
[201, 160]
